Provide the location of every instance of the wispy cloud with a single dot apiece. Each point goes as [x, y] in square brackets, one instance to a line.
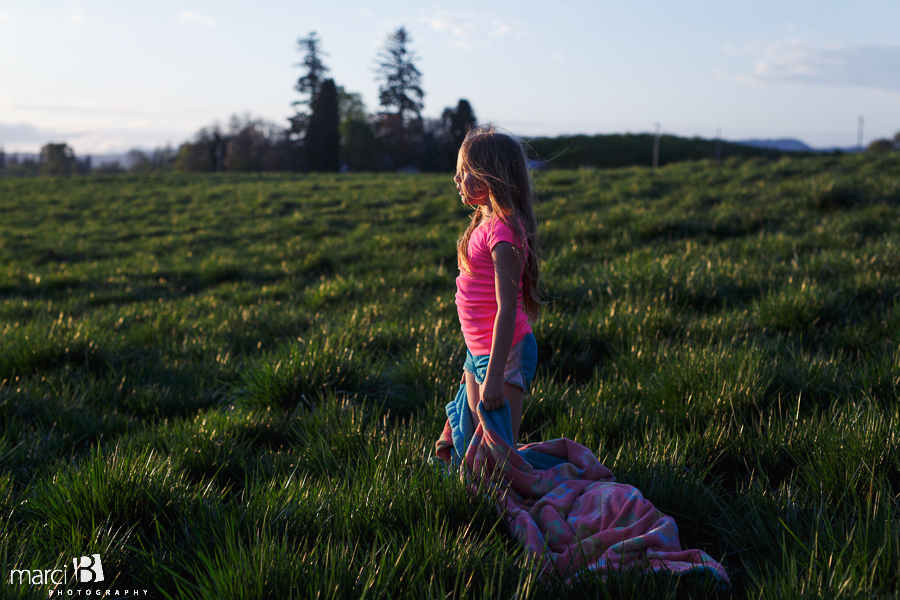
[193, 18]
[89, 108]
[508, 27]
[446, 23]
[803, 62]
[92, 136]
[76, 15]
[24, 133]
[3, 18]
[458, 25]
[465, 29]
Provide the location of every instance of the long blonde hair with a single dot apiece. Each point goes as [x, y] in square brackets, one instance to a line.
[497, 161]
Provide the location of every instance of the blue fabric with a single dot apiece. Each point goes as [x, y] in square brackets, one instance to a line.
[461, 423]
[478, 364]
[500, 418]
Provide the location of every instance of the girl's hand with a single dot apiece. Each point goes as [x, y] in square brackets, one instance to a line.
[492, 393]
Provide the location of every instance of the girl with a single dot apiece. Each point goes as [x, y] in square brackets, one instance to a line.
[496, 291]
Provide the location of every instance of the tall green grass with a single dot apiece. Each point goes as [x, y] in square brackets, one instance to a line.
[230, 386]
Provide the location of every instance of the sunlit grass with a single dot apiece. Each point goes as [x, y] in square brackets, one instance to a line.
[230, 386]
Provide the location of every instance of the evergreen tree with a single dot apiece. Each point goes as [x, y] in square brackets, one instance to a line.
[432, 151]
[401, 90]
[457, 123]
[359, 146]
[310, 83]
[351, 105]
[322, 143]
[359, 149]
[57, 159]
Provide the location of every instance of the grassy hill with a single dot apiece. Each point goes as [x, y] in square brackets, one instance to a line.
[228, 386]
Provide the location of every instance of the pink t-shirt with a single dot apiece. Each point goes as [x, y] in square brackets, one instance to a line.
[476, 299]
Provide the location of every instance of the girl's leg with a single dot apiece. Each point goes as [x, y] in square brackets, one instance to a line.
[473, 395]
[514, 396]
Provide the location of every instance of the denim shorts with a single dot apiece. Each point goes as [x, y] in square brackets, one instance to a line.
[520, 365]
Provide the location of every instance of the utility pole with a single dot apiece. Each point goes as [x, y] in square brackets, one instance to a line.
[656, 148]
[859, 135]
[718, 144]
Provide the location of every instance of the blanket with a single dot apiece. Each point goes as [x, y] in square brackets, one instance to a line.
[563, 505]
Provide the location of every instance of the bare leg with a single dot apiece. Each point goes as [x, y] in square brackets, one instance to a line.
[473, 395]
[514, 396]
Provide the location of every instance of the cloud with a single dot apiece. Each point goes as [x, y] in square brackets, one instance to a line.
[85, 108]
[458, 25]
[502, 29]
[93, 138]
[193, 18]
[3, 18]
[445, 23]
[805, 63]
[505, 28]
[24, 133]
[467, 28]
[76, 15]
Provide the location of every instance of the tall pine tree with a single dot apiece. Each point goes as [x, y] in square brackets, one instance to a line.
[322, 143]
[310, 83]
[401, 90]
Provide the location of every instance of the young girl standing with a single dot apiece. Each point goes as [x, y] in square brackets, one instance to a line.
[496, 291]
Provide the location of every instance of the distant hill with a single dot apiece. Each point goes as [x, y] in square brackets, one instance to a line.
[792, 145]
[624, 150]
[783, 144]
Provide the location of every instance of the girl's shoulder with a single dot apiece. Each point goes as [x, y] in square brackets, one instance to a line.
[502, 231]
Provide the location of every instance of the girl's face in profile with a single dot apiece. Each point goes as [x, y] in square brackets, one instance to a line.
[473, 191]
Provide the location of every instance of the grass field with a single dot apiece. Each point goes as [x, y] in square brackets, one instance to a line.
[229, 386]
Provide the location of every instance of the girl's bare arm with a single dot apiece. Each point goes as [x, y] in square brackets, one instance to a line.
[507, 271]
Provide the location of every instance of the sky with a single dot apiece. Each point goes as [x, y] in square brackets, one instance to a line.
[105, 76]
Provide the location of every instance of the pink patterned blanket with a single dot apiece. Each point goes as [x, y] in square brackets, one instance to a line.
[567, 509]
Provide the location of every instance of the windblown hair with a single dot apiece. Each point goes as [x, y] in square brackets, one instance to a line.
[497, 161]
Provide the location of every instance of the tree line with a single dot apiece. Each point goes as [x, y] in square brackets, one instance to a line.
[330, 130]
